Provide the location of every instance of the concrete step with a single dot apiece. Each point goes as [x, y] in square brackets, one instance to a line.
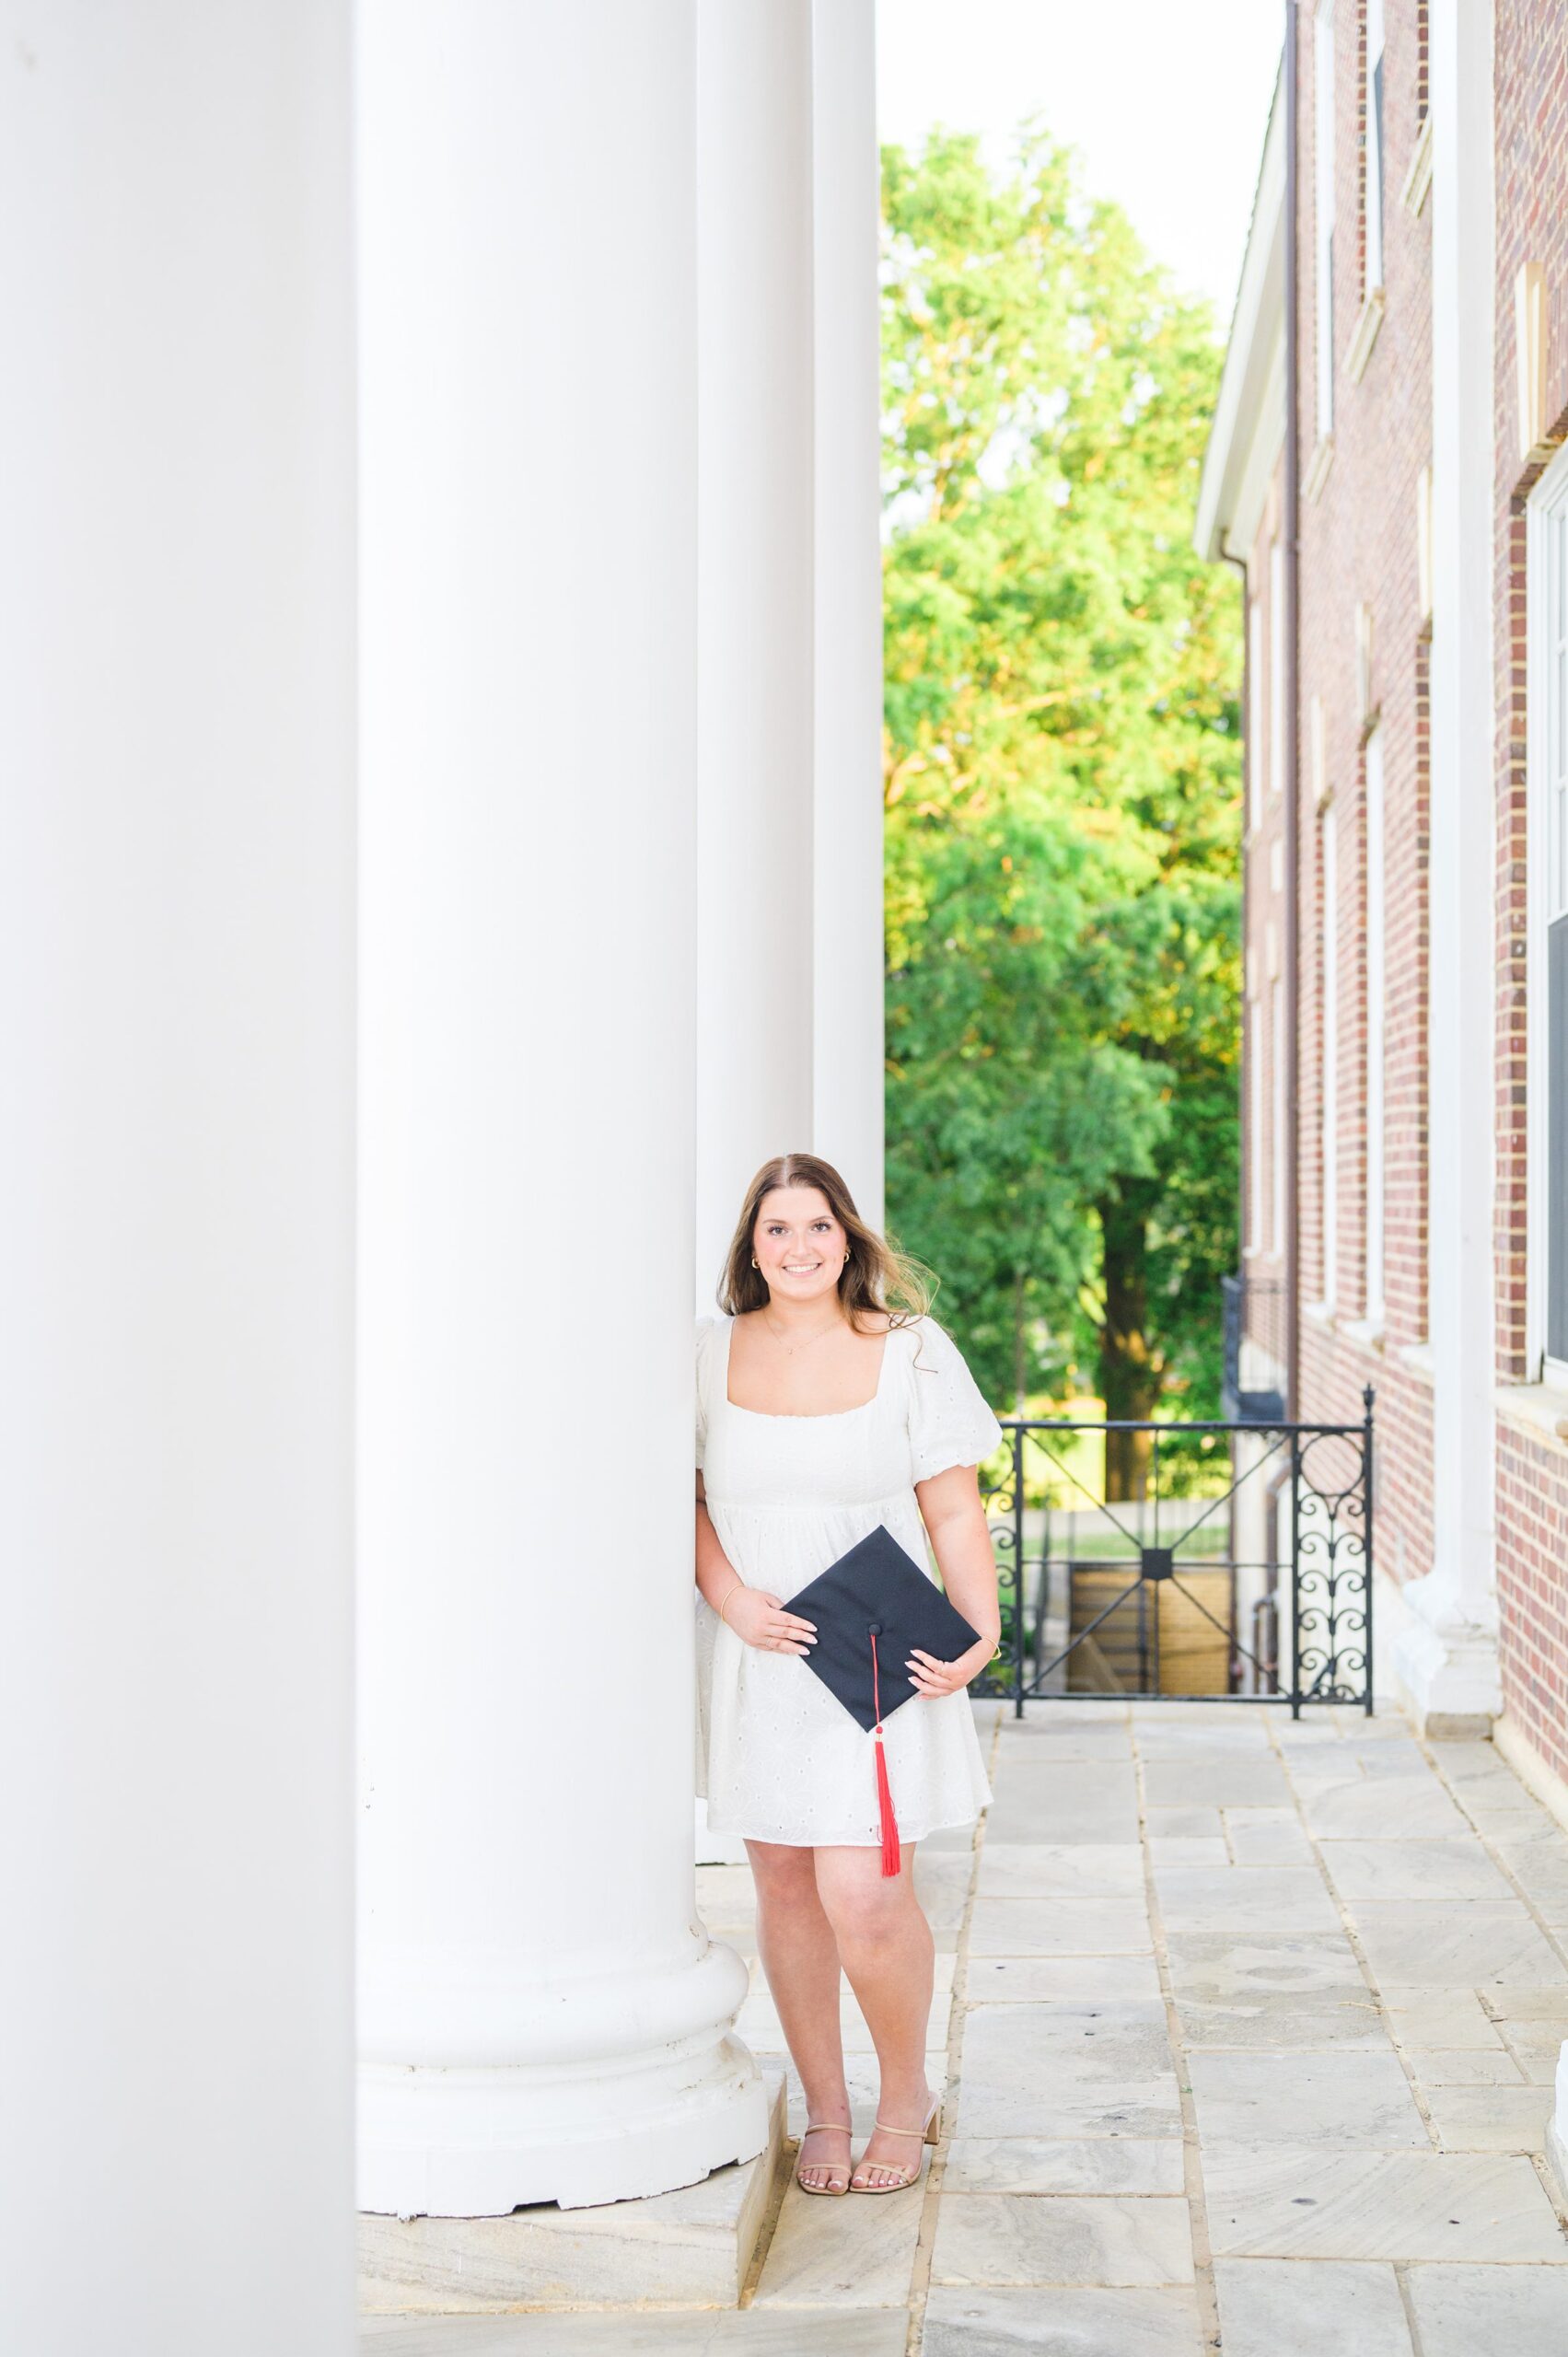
[686, 2249]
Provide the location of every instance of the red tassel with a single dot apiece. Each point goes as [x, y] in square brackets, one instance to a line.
[892, 1861]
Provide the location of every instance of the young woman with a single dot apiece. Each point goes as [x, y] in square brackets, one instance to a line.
[828, 1402]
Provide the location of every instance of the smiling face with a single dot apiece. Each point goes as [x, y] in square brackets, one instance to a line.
[800, 1247]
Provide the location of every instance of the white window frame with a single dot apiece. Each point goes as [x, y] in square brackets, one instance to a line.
[1374, 151]
[1323, 209]
[1276, 666]
[1377, 1033]
[1547, 864]
[1277, 1138]
[1330, 1083]
[1254, 1128]
[1256, 738]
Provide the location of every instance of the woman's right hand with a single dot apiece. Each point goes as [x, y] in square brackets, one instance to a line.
[759, 1618]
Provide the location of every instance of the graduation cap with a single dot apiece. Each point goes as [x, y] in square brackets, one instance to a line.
[871, 1608]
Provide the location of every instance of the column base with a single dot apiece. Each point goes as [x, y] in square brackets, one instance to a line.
[1557, 2128]
[1446, 1668]
[686, 2249]
[474, 2143]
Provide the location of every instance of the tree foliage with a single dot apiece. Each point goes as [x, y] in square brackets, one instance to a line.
[1061, 778]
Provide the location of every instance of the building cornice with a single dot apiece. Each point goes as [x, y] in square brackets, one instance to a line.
[1249, 412]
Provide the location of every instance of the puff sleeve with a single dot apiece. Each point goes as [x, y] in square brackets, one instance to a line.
[704, 1359]
[950, 1422]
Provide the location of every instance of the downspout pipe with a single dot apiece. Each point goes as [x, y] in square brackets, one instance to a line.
[1293, 733]
[1249, 1044]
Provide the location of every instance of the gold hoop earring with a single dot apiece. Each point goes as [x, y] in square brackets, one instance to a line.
[753, 1260]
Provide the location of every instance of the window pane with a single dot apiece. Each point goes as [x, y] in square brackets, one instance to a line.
[1329, 1094]
[1556, 1142]
[1375, 1028]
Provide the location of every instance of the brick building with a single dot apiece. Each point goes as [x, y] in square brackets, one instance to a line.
[1390, 464]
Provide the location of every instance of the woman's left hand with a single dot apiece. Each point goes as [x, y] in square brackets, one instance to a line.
[935, 1679]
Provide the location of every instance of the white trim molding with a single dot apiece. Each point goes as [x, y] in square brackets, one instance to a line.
[1375, 1041]
[1423, 545]
[1317, 751]
[1546, 843]
[1365, 700]
[1446, 1660]
[1331, 1075]
[1369, 319]
[1318, 468]
[1323, 218]
[1529, 355]
[1365, 1332]
[1418, 177]
[1249, 412]
[1538, 1409]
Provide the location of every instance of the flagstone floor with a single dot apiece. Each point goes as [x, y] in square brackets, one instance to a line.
[1248, 2029]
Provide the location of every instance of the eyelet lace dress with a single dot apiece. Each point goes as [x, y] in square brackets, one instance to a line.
[777, 1757]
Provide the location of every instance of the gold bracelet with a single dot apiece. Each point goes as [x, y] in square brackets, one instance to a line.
[727, 1593]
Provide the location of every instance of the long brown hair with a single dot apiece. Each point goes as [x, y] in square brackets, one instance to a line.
[877, 1275]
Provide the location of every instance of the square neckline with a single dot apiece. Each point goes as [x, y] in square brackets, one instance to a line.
[829, 1416]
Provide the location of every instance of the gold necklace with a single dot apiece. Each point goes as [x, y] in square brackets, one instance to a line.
[791, 1349]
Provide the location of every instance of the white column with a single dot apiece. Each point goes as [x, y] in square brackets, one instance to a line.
[1557, 2126]
[1447, 1658]
[848, 1053]
[756, 848]
[790, 625]
[541, 2013]
[176, 1192]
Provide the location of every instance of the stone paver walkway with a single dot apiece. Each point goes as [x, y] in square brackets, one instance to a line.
[1248, 2029]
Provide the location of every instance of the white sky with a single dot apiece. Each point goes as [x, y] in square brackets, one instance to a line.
[1167, 101]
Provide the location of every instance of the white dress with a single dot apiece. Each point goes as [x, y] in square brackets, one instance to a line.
[777, 1757]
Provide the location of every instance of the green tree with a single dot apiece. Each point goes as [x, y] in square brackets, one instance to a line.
[1061, 782]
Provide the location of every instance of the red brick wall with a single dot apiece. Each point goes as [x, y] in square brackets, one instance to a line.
[1532, 1593]
[1511, 1197]
[1531, 60]
[1407, 842]
[1532, 225]
[1358, 546]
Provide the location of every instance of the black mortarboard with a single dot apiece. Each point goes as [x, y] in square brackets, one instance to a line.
[871, 1608]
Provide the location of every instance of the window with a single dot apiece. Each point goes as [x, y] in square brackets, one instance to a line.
[1547, 583]
[1278, 1140]
[1255, 714]
[1331, 1083]
[1254, 1128]
[1323, 186]
[1375, 996]
[1374, 200]
[1276, 666]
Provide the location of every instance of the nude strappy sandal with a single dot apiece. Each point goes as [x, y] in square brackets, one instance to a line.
[829, 2165]
[930, 2135]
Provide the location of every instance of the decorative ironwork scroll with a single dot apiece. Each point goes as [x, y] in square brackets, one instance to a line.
[1192, 1589]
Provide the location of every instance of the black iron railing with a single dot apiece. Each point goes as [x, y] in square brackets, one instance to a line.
[1253, 1584]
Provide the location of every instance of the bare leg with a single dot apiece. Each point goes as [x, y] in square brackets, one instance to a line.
[888, 1955]
[800, 1958]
